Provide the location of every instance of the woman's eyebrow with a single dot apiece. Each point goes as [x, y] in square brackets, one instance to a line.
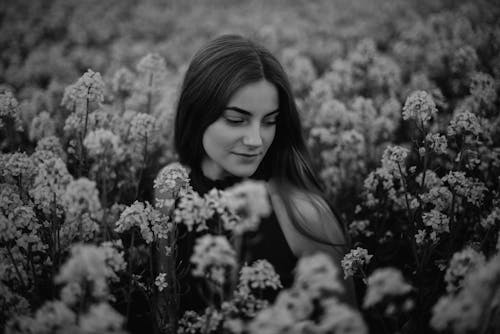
[246, 112]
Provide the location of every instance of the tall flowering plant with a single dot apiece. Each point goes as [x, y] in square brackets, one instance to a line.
[441, 196]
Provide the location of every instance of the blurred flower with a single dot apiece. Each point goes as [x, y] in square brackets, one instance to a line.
[50, 185]
[41, 126]
[483, 89]
[212, 257]
[101, 318]
[420, 106]
[53, 316]
[9, 109]
[153, 71]
[260, 275]
[17, 167]
[192, 323]
[296, 301]
[318, 276]
[420, 237]
[86, 262]
[338, 318]
[492, 220]
[160, 281]
[300, 69]
[461, 264]
[354, 261]
[464, 123]
[143, 127]
[464, 311]
[383, 283]
[464, 60]
[249, 201]
[193, 210]
[123, 82]
[102, 143]
[438, 222]
[272, 320]
[81, 196]
[51, 144]
[360, 227]
[151, 222]
[89, 87]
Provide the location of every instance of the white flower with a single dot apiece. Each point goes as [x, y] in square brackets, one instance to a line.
[464, 123]
[437, 221]
[472, 189]
[492, 220]
[437, 143]
[382, 283]
[150, 221]
[259, 275]
[317, 275]
[193, 211]
[355, 260]
[101, 318]
[360, 227]
[102, 142]
[461, 264]
[81, 196]
[88, 87]
[420, 106]
[338, 318]
[143, 127]
[212, 257]
[172, 181]
[160, 281]
[249, 201]
[440, 197]
[393, 158]
[420, 237]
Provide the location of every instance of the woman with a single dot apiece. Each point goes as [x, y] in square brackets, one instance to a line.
[236, 118]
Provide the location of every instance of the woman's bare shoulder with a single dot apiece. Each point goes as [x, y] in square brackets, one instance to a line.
[318, 219]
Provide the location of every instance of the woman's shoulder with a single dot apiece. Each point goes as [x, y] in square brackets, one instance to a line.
[313, 213]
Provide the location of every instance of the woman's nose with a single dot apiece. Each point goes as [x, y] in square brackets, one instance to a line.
[253, 136]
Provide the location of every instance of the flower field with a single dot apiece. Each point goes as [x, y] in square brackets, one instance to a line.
[400, 106]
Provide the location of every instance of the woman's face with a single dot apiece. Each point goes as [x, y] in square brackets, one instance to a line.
[236, 142]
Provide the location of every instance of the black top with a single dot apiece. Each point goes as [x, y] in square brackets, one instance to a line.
[268, 243]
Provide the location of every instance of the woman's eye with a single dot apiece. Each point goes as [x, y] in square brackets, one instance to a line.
[271, 122]
[234, 120]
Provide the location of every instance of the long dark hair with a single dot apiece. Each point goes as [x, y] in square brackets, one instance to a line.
[215, 73]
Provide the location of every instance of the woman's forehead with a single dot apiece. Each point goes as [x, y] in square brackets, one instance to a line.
[259, 97]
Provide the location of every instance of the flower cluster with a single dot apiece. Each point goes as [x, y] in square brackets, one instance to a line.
[492, 220]
[49, 185]
[473, 190]
[483, 89]
[9, 109]
[160, 281]
[172, 182]
[213, 258]
[260, 275]
[89, 87]
[464, 123]
[420, 106]
[355, 260]
[143, 127]
[151, 223]
[437, 143]
[313, 292]
[101, 143]
[461, 264]
[41, 126]
[393, 158]
[438, 222]
[360, 227]
[249, 202]
[386, 283]
[463, 312]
